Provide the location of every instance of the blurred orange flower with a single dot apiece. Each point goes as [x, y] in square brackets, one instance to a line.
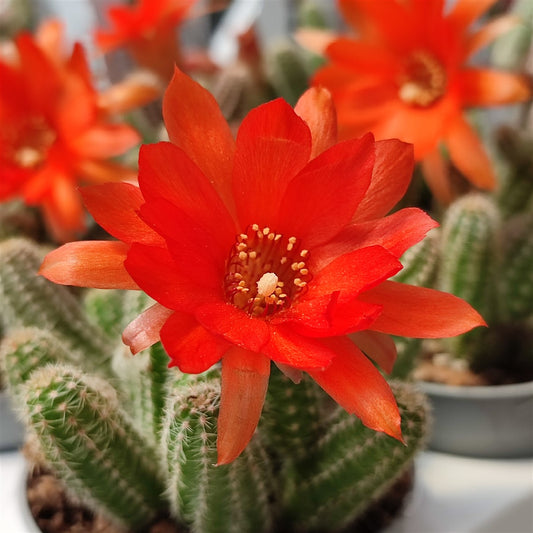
[148, 30]
[405, 76]
[56, 129]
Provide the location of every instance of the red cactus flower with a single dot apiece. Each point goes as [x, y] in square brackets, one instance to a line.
[405, 76]
[270, 247]
[148, 30]
[57, 130]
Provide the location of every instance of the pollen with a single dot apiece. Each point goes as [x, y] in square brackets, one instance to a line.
[423, 80]
[265, 271]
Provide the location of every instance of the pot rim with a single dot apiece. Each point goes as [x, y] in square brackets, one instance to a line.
[481, 392]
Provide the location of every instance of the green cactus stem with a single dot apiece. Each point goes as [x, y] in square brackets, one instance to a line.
[26, 349]
[516, 283]
[233, 498]
[420, 265]
[292, 414]
[471, 252]
[351, 466]
[92, 447]
[515, 194]
[29, 300]
[310, 16]
[105, 307]
[420, 261]
[142, 380]
[287, 71]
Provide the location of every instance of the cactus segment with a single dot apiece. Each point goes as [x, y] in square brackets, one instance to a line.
[29, 300]
[233, 498]
[351, 466]
[92, 446]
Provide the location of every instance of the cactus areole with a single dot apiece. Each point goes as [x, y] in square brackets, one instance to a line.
[269, 247]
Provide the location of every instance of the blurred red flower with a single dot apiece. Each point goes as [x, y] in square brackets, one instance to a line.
[57, 130]
[405, 76]
[270, 247]
[147, 30]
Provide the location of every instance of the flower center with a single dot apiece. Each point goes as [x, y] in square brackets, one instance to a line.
[265, 271]
[31, 147]
[423, 80]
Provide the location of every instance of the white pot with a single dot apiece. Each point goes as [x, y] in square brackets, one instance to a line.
[488, 421]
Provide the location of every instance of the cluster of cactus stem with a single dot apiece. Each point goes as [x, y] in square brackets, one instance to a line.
[483, 253]
[136, 440]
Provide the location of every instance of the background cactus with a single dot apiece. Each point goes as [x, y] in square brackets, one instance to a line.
[484, 255]
[136, 440]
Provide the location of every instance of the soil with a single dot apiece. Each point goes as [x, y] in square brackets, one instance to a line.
[438, 366]
[55, 513]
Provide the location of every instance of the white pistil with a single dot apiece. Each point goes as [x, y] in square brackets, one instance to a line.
[267, 284]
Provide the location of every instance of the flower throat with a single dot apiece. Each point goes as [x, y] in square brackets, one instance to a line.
[423, 80]
[265, 271]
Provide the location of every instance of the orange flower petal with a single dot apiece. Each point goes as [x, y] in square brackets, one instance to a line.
[98, 264]
[106, 140]
[101, 171]
[136, 90]
[169, 287]
[191, 347]
[393, 158]
[288, 347]
[468, 155]
[273, 145]
[49, 36]
[419, 312]
[396, 233]
[378, 346]
[374, 20]
[196, 124]
[145, 329]
[362, 56]
[484, 87]
[488, 32]
[244, 385]
[464, 12]
[188, 189]
[345, 171]
[314, 39]
[62, 208]
[358, 387]
[115, 207]
[234, 325]
[316, 108]
[437, 176]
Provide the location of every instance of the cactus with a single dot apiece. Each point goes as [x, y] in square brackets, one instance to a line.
[484, 256]
[29, 300]
[350, 464]
[419, 268]
[228, 498]
[138, 441]
[287, 71]
[92, 446]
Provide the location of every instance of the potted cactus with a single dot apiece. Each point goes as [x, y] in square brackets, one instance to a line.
[135, 440]
[481, 383]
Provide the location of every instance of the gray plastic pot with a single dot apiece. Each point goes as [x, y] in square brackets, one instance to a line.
[493, 421]
[11, 430]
